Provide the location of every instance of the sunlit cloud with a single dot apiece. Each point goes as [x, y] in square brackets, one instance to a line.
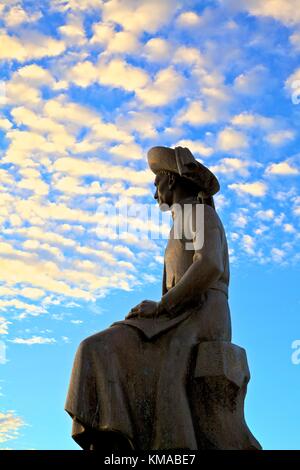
[34, 46]
[230, 139]
[4, 325]
[287, 12]
[280, 137]
[33, 340]
[80, 107]
[282, 168]
[10, 426]
[258, 188]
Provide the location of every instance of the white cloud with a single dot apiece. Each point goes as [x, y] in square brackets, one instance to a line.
[20, 92]
[76, 5]
[240, 220]
[73, 185]
[221, 201]
[83, 74]
[188, 55]
[188, 19]
[5, 177]
[261, 230]
[45, 275]
[296, 210]
[257, 189]
[277, 255]
[196, 146]
[230, 166]
[252, 81]
[34, 74]
[81, 167]
[66, 339]
[295, 40]
[279, 219]
[26, 308]
[196, 115]
[139, 15]
[73, 31]
[157, 50]
[10, 425]
[4, 326]
[123, 42]
[265, 214]
[36, 122]
[248, 243]
[285, 11]
[37, 233]
[249, 120]
[289, 228]
[220, 93]
[282, 168]
[32, 293]
[230, 139]
[16, 15]
[166, 87]
[293, 82]
[130, 151]
[26, 148]
[141, 122]
[33, 46]
[5, 124]
[280, 137]
[54, 130]
[33, 340]
[103, 33]
[117, 73]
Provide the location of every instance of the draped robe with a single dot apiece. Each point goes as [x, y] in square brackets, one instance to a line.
[134, 377]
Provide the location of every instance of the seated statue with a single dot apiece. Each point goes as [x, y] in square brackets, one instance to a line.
[168, 376]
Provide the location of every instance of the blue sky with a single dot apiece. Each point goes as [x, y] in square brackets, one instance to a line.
[86, 88]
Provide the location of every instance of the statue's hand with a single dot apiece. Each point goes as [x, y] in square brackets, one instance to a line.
[146, 309]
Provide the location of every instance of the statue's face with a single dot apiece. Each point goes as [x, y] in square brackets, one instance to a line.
[164, 192]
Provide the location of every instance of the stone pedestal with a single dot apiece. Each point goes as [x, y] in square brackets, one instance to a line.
[217, 390]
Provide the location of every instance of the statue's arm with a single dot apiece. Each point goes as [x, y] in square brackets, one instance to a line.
[207, 267]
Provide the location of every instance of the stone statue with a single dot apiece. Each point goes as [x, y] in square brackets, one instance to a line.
[168, 376]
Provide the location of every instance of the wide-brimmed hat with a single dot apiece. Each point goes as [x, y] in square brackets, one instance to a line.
[182, 162]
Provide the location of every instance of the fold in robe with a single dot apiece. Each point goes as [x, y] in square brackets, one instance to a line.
[125, 382]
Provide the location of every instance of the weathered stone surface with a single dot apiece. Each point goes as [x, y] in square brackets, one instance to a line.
[222, 359]
[217, 396]
[168, 376]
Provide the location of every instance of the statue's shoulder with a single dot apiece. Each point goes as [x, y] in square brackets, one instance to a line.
[208, 213]
[89, 342]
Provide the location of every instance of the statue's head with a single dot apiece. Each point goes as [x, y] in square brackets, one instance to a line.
[177, 171]
[167, 183]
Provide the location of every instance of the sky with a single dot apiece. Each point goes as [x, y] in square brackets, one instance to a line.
[86, 88]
